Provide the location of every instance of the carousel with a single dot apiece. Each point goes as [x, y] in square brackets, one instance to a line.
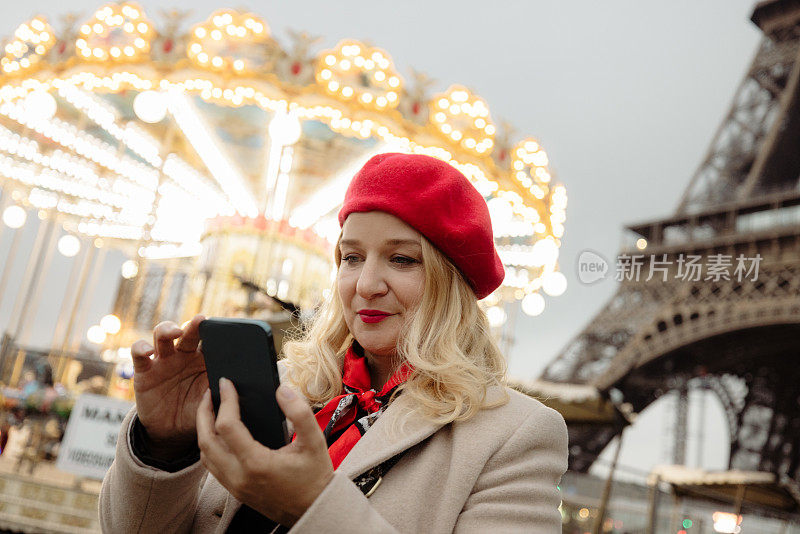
[215, 158]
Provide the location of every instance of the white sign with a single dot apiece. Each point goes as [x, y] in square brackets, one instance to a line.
[91, 438]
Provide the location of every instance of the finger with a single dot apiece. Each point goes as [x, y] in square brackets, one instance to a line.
[141, 351]
[164, 335]
[228, 425]
[190, 338]
[211, 446]
[302, 418]
[207, 437]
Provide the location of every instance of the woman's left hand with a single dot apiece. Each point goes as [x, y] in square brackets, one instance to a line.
[281, 484]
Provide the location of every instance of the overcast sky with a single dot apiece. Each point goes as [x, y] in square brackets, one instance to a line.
[623, 95]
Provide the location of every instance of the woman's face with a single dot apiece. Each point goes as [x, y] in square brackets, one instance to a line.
[381, 278]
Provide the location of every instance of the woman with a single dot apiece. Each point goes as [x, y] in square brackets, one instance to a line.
[414, 431]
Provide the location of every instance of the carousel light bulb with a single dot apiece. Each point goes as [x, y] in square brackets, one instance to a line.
[69, 245]
[39, 105]
[500, 212]
[533, 304]
[14, 217]
[96, 334]
[496, 316]
[285, 128]
[554, 283]
[111, 324]
[150, 106]
[129, 269]
[545, 252]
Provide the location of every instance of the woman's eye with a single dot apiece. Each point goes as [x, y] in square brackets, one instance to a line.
[404, 260]
[350, 258]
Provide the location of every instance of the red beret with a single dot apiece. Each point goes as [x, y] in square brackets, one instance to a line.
[440, 203]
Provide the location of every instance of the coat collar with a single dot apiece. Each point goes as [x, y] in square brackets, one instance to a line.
[385, 438]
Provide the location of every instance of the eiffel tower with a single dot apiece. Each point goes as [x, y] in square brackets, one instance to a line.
[738, 336]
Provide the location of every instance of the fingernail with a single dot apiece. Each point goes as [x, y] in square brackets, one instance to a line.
[148, 347]
[286, 392]
[207, 393]
[224, 382]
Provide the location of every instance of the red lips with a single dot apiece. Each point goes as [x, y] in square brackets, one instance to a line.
[373, 316]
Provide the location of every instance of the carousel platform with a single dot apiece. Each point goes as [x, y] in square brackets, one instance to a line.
[45, 499]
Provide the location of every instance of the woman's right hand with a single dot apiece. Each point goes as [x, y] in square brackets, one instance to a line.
[169, 380]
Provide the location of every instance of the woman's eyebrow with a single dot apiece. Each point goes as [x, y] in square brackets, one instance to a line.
[355, 242]
[403, 242]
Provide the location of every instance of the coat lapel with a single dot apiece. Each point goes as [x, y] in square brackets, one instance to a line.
[231, 507]
[385, 438]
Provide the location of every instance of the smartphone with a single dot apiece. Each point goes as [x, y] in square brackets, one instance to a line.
[243, 351]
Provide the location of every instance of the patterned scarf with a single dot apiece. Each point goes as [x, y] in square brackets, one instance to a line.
[344, 419]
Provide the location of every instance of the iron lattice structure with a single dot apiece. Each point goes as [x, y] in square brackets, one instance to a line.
[734, 335]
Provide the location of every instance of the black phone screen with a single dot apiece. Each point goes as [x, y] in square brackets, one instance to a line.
[243, 351]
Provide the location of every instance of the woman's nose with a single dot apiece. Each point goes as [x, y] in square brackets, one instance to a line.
[371, 282]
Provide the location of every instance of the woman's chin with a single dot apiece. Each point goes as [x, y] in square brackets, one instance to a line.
[377, 347]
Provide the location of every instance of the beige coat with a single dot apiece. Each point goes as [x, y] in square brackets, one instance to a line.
[496, 472]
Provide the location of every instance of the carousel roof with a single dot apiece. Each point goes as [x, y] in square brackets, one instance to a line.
[138, 132]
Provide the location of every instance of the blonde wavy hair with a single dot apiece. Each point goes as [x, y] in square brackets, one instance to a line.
[446, 339]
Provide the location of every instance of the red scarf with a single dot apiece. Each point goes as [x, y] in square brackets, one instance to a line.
[344, 419]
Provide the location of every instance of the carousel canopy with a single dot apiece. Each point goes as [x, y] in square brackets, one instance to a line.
[140, 133]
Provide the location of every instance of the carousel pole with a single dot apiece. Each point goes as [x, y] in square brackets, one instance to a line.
[171, 271]
[29, 313]
[129, 314]
[9, 260]
[4, 203]
[61, 353]
[69, 295]
[27, 288]
[86, 302]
